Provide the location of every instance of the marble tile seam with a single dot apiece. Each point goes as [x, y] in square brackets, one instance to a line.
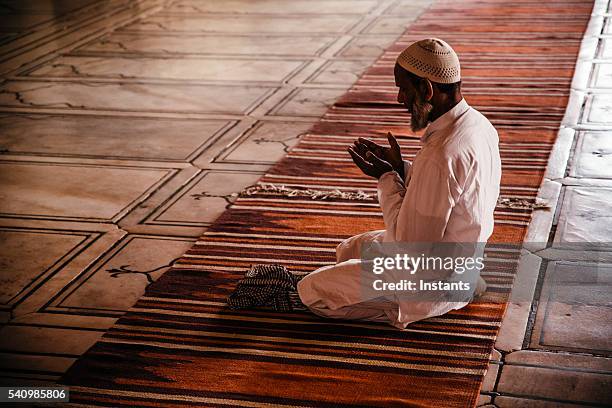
[68, 69]
[114, 97]
[157, 115]
[7, 224]
[153, 182]
[559, 368]
[56, 25]
[38, 281]
[65, 40]
[163, 81]
[154, 206]
[80, 264]
[595, 91]
[126, 34]
[128, 163]
[586, 182]
[73, 298]
[138, 158]
[522, 398]
[232, 23]
[66, 320]
[584, 257]
[21, 375]
[27, 381]
[560, 154]
[555, 370]
[538, 232]
[18, 323]
[515, 322]
[307, 7]
[51, 21]
[208, 55]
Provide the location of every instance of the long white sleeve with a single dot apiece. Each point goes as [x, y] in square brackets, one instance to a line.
[430, 197]
[391, 192]
[407, 166]
[418, 212]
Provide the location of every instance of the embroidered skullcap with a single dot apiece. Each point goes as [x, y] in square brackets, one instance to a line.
[433, 59]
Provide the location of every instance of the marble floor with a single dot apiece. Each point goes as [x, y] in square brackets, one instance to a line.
[127, 127]
[554, 348]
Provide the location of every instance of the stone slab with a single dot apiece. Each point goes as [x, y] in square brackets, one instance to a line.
[483, 400]
[366, 46]
[21, 22]
[47, 340]
[66, 320]
[12, 381]
[389, 24]
[585, 216]
[557, 160]
[74, 191]
[29, 257]
[99, 137]
[575, 308]
[204, 199]
[598, 109]
[561, 360]
[308, 102]
[340, 72]
[275, 6]
[55, 7]
[408, 7]
[593, 155]
[514, 324]
[37, 300]
[542, 219]
[266, 142]
[558, 385]
[602, 76]
[513, 402]
[185, 69]
[128, 269]
[134, 96]
[25, 362]
[488, 384]
[219, 45]
[245, 23]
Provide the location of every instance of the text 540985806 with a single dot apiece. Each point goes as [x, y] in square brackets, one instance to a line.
[34, 394]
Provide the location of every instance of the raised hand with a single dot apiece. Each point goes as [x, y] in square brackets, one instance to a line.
[370, 165]
[391, 154]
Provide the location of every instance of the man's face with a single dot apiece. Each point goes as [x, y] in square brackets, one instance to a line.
[406, 92]
[413, 100]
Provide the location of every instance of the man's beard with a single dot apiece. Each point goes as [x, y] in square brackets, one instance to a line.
[419, 118]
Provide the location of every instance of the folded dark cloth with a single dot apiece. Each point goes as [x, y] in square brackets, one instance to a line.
[267, 286]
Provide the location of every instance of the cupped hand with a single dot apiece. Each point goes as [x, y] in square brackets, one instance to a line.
[370, 165]
[391, 154]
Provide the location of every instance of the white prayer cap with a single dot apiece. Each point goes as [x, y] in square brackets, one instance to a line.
[433, 59]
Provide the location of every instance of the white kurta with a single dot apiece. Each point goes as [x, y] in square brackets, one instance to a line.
[449, 195]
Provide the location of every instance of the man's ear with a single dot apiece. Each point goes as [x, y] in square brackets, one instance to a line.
[428, 90]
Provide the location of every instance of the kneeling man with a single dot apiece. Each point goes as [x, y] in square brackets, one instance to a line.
[446, 195]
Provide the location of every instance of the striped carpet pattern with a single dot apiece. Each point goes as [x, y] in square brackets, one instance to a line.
[180, 345]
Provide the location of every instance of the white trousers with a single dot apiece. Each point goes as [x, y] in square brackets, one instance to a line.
[334, 291]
